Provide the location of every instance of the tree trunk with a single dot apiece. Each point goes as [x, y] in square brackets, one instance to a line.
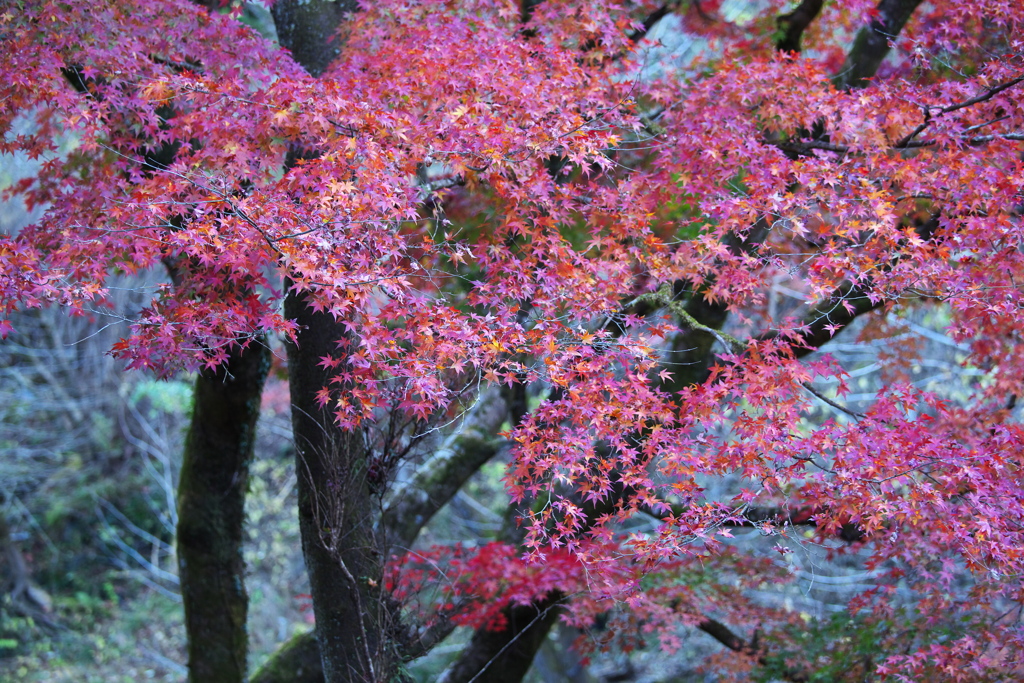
[336, 513]
[871, 46]
[308, 29]
[211, 498]
[336, 509]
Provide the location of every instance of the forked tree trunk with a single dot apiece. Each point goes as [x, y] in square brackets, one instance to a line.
[211, 500]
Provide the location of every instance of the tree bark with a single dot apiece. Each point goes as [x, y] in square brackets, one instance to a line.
[211, 498]
[505, 656]
[871, 46]
[297, 661]
[336, 513]
[795, 23]
[411, 506]
[336, 508]
[414, 503]
[341, 554]
[308, 29]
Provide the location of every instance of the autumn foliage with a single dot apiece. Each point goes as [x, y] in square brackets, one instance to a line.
[490, 196]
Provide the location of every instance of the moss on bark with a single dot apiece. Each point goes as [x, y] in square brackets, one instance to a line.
[297, 661]
[211, 499]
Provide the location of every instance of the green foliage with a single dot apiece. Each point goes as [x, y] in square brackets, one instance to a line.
[16, 632]
[276, 572]
[98, 642]
[839, 648]
[173, 397]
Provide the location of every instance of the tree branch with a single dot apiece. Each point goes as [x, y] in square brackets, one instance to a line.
[795, 23]
[435, 481]
[426, 638]
[724, 635]
[871, 46]
[849, 301]
[906, 141]
[910, 141]
[748, 517]
[649, 21]
[505, 656]
[691, 356]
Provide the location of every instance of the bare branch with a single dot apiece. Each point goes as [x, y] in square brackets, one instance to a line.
[414, 502]
[724, 635]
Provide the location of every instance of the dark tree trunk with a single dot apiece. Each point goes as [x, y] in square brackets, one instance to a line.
[871, 46]
[793, 25]
[308, 29]
[336, 508]
[336, 513]
[211, 498]
[505, 656]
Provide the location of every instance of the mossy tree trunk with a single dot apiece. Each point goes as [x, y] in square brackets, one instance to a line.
[211, 499]
[297, 661]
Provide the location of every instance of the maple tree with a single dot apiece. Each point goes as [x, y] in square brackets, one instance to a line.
[462, 214]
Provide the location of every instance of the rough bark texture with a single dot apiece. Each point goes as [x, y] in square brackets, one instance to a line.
[336, 511]
[211, 498]
[411, 506]
[505, 656]
[871, 46]
[308, 29]
[336, 508]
